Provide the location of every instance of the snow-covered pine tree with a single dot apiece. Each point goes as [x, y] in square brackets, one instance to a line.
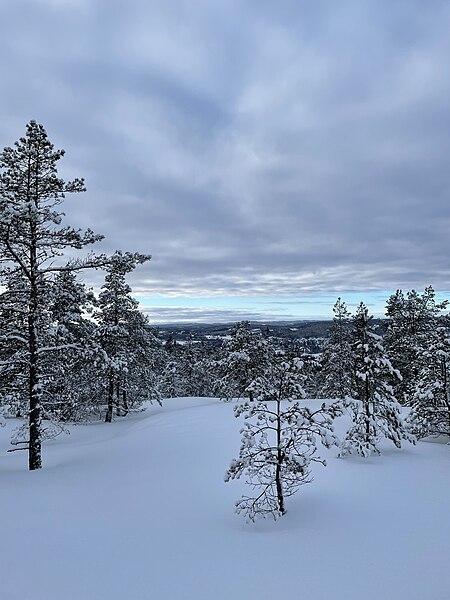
[71, 390]
[312, 370]
[202, 361]
[146, 361]
[410, 324]
[172, 382]
[13, 352]
[31, 242]
[186, 372]
[374, 409]
[244, 356]
[306, 350]
[3, 412]
[190, 368]
[430, 411]
[125, 337]
[337, 356]
[279, 439]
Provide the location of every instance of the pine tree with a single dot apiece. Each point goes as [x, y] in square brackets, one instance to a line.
[32, 243]
[243, 357]
[191, 374]
[3, 412]
[312, 370]
[409, 327]
[430, 410]
[279, 439]
[375, 411]
[337, 355]
[171, 384]
[145, 364]
[71, 391]
[13, 352]
[125, 338]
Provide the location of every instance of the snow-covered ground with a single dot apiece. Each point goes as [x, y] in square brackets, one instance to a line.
[138, 510]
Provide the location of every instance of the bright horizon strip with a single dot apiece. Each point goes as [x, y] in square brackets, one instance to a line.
[185, 308]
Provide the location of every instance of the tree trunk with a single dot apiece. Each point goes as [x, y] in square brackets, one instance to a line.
[34, 392]
[125, 402]
[109, 411]
[278, 483]
[367, 410]
[35, 416]
[446, 394]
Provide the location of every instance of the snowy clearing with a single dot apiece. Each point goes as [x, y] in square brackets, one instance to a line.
[138, 510]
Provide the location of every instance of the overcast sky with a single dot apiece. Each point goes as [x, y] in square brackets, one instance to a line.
[270, 155]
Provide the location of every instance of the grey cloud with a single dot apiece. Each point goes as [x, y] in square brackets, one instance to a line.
[250, 147]
[161, 314]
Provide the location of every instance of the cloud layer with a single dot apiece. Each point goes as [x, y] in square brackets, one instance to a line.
[252, 147]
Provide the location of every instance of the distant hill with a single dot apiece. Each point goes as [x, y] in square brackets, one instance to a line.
[288, 329]
[213, 333]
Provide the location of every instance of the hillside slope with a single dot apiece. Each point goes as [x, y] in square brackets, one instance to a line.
[138, 510]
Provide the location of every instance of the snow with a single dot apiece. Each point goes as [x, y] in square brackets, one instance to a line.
[138, 510]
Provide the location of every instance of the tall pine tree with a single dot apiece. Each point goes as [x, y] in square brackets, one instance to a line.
[411, 320]
[337, 355]
[125, 338]
[71, 392]
[32, 244]
[430, 410]
[243, 357]
[375, 412]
